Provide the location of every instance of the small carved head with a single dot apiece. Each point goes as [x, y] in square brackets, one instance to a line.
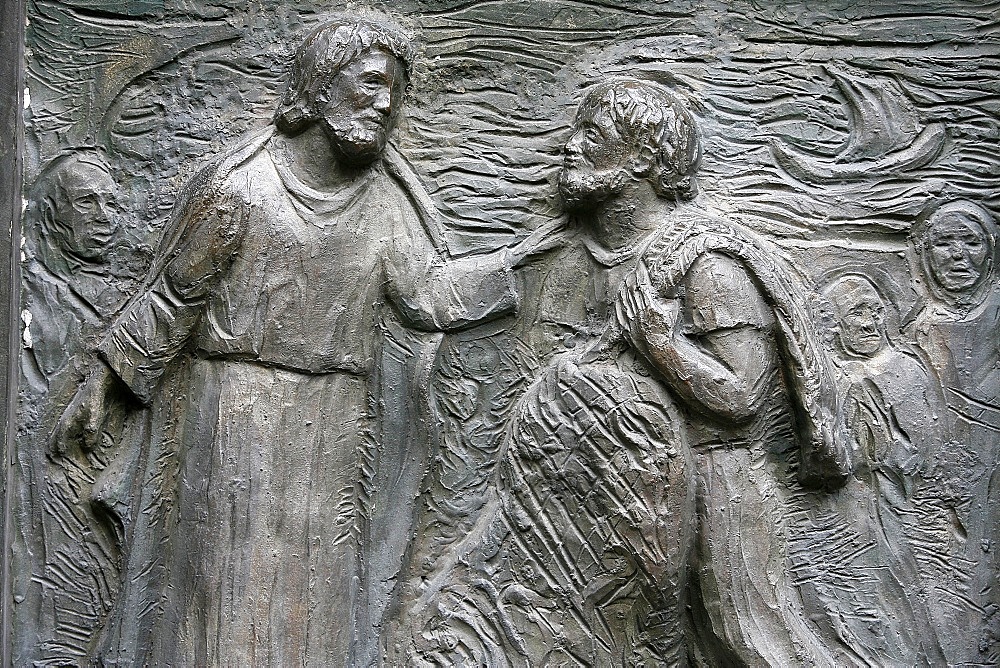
[350, 76]
[860, 313]
[956, 244]
[630, 130]
[74, 200]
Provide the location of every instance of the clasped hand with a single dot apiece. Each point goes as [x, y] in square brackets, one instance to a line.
[647, 318]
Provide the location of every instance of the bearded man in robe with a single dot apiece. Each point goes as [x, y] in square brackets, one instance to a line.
[255, 347]
[624, 452]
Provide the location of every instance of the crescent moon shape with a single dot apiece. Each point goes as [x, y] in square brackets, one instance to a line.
[920, 152]
[885, 136]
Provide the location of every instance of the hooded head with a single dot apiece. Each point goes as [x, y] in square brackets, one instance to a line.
[955, 247]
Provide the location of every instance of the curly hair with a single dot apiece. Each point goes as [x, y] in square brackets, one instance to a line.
[652, 118]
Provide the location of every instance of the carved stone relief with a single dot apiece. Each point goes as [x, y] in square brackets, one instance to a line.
[482, 334]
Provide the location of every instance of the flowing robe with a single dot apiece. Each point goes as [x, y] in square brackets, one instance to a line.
[756, 470]
[256, 344]
[878, 533]
[962, 343]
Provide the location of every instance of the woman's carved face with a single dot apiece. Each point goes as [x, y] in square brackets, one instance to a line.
[957, 249]
[862, 318]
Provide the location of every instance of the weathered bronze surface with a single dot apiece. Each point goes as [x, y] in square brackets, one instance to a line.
[506, 334]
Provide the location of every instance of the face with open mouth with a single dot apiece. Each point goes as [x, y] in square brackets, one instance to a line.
[958, 252]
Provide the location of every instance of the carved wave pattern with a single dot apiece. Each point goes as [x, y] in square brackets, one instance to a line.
[494, 93]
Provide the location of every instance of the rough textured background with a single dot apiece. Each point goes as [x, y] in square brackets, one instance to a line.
[10, 110]
[163, 85]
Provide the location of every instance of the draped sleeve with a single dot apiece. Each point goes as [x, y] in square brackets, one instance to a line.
[209, 223]
[432, 292]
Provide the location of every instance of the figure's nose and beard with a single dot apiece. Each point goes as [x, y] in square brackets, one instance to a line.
[582, 186]
[595, 163]
[359, 108]
[360, 138]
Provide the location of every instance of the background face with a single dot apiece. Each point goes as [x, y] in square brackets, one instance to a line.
[862, 320]
[84, 222]
[959, 250]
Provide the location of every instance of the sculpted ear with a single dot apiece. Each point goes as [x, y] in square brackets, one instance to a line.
[643, 161]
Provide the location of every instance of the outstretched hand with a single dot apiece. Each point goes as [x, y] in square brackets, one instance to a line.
[85, 419]
[542, 240]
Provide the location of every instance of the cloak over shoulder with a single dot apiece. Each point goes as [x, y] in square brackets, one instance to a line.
[816, 402]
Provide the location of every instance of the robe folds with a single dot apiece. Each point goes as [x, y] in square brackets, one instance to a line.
[66, 538]
[258, 348]
[961, 340]
[767, 596]
[748, 607]
[611, 498]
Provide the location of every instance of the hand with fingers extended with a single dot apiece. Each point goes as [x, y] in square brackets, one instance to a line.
[88, 416]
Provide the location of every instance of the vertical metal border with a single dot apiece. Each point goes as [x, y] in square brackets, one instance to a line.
[12, 25]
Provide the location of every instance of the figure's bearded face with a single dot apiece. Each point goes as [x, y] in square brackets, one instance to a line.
[358, 108]
[595, 166]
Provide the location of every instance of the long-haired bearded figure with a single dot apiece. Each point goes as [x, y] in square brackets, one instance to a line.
[254, 352]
